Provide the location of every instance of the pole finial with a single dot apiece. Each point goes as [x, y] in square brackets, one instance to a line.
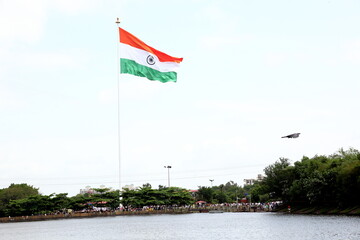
[117, 21]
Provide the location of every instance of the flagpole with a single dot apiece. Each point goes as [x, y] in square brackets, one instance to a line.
[118, 86]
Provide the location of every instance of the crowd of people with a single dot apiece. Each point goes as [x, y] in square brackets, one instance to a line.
[228, 207]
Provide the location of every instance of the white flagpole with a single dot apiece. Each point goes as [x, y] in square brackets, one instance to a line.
[118, 85]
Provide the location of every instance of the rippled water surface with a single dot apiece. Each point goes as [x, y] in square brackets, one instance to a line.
[269, 226]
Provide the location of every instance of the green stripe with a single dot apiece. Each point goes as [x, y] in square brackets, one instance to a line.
[131, 67]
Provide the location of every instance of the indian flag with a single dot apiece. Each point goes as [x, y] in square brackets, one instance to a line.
[139, 59]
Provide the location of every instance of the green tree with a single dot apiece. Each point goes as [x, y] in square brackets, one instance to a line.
[178, 196]
[36, 204]
[60, 201]
[146, 196]
[332, 180]
[112, 199]
[205, 194]
[79, 202]
[278, 179]
[233, 191]
[15, 192]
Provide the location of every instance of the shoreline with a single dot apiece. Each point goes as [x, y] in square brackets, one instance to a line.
[83, 215]
[353, 211]
[118, 213]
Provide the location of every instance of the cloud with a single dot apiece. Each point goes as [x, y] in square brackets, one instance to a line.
[225, 24]
[72, 154]
[107, 96]
[47, 60]
[351, 51]
[214, 12]
[132, 88]
[10, 99]
[224, 40]
[22, 20]
[24, 58]
[259, 111]
[275, 59]
[75, 7]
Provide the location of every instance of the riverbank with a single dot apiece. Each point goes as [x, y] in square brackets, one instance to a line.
[351, 211]
[354, 211]
[83, 215]
[179, 210]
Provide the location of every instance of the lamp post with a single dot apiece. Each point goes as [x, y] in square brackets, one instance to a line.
[168, 167]
[211, 180]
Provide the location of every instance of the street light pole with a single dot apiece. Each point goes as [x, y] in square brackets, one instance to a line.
[211, 180]
[168, 167]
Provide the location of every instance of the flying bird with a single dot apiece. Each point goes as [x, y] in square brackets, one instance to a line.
[294, 135]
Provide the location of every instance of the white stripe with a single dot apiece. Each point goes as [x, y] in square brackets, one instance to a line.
[140, 56]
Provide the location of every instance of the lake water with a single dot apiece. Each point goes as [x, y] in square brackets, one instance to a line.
[252, 226]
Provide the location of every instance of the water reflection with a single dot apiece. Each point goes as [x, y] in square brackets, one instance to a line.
[270, 226]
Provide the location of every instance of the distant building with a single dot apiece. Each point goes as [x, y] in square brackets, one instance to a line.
[260, 177]
[249, 181]
[130, 187]
[90, 190]
[87, 190]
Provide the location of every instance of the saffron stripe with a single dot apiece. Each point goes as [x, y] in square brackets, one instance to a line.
[128, 38]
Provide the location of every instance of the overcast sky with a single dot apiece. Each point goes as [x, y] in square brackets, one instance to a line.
[252, 72]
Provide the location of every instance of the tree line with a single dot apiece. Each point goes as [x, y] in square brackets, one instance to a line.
[332, 180]
[25, 200]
